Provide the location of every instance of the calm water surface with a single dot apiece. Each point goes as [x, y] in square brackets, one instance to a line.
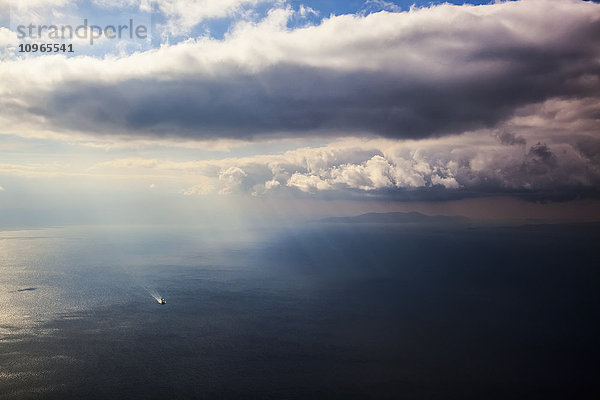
[324, 311]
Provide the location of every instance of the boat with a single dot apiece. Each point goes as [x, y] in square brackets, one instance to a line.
[162, 300]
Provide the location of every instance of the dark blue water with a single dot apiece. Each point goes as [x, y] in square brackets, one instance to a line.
[324, 311]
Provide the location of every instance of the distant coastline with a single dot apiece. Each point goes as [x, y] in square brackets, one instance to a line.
[397, 218]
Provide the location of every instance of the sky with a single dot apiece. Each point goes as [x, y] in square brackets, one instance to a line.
[248, 110]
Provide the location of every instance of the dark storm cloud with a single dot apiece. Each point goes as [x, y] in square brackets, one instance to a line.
[436, 71]
[510, 139]
[539, 160]
[287, 99]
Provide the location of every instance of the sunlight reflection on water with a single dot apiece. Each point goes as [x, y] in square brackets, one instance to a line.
[57, 271]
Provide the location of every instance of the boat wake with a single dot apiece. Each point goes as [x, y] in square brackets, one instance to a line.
[155, 295]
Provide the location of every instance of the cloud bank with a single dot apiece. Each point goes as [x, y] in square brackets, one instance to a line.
[434, 103]
[532, 163]
[425, 73]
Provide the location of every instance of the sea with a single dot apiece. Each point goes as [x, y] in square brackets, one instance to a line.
[320, 310]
